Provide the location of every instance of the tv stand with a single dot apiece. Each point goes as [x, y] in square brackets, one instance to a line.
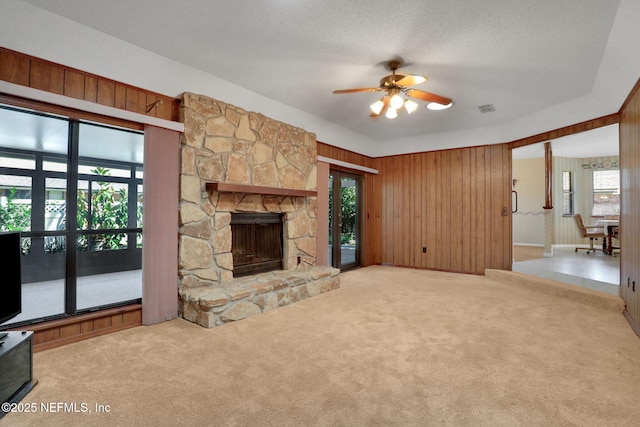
[16, 367]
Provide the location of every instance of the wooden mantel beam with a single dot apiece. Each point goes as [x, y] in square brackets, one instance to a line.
[223, 187]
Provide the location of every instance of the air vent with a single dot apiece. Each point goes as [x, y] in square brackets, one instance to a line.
[489, 108]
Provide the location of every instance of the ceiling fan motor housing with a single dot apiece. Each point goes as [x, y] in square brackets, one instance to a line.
[390, 80]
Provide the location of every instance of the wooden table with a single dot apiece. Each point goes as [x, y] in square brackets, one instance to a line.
[608, 225]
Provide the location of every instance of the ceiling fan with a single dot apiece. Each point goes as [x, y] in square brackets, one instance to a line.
[395, 84]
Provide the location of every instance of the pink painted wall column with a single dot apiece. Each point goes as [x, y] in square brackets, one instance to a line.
[160, 225]
[322, 237]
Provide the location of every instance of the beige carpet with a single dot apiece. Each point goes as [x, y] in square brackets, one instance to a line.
[391, 347]
[527, 253]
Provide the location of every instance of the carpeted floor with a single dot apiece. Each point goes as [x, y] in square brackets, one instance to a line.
[391, 347]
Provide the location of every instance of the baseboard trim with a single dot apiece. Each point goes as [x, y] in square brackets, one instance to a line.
[632, 323]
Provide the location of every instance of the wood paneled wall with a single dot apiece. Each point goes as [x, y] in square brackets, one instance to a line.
[455, 203]
[65, 331]
[37, 73]
[630, 205]
[450, 202]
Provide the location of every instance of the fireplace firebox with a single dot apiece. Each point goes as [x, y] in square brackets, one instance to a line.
[256, 243]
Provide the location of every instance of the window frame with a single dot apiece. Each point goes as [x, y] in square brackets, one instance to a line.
[570, 192]
[613, 191]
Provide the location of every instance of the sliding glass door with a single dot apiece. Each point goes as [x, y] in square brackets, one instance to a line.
[344, 220]
[73, 190]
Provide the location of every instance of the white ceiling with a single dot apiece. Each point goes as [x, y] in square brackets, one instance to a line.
[543, 64]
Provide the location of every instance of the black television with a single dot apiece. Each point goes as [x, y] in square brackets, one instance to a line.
[10, 277]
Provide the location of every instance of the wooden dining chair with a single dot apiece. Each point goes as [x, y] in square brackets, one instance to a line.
[592, 232]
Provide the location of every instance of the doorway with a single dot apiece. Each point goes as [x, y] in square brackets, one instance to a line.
[345, 197]
[578, 160]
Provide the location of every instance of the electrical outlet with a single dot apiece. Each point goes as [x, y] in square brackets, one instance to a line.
[424, 249]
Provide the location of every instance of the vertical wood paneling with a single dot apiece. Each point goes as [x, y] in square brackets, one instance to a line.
[407, 218]
[151, 100]
[454, 208]
[472, 209]
[456, 229]
[496, 203]
[91, 89]
[14, 68]
[39, 74]
[431, 213]
[106, 93]
[120, 97]
[164, 109]
[507, 221]
[483, 218]
[135, 100]
[467, 249]
[416, 207]
[398, 214]
[47, 77]
[387, 211]
[73, 84]
[444, 211]
[630, 204]
[60, 332]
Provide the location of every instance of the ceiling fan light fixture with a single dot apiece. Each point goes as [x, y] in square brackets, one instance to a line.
[396, 101]
[410, 106]
[392, 113]
[436, 106]
[377, 107]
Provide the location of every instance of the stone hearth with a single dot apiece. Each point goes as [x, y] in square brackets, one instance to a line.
[244, 297]
[223, 144]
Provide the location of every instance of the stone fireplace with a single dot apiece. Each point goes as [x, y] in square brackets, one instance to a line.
[235, 162]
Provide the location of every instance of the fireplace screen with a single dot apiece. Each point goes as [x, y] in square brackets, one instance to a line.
[256, 243]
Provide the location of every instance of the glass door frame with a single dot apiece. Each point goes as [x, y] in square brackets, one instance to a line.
[335, 222]
[37, 234]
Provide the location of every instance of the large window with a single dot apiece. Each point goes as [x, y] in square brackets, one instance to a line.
[606, 192]
[74, 191]
[567, 193]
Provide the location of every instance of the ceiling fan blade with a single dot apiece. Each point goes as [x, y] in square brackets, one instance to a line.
[428, 96]
[363, 89]
[411, 80]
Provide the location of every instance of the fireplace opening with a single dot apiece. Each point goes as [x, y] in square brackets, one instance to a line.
[256, 243]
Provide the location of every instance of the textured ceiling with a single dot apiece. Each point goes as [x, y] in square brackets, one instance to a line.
[522, 56]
